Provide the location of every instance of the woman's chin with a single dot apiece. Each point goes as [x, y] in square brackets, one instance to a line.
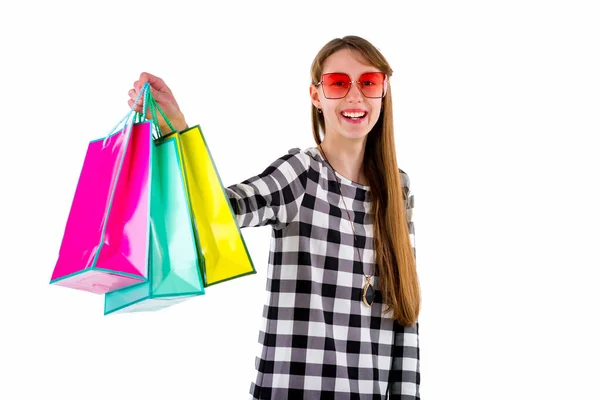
[355, 134]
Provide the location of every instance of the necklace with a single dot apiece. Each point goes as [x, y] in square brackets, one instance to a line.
[368, 293]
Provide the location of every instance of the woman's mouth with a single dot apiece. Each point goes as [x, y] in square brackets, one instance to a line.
[354, 116]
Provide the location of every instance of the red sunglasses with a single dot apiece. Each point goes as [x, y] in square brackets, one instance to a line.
[336, 85]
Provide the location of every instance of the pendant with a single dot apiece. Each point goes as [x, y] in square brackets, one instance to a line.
[368, 293]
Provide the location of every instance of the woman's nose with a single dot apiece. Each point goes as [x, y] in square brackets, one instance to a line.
[354, 94]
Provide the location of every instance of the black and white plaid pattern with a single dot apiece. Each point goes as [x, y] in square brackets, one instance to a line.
[318, 339]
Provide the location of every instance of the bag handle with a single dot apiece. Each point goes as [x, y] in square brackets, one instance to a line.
[128, 115]
[127, 129]
[154, 107]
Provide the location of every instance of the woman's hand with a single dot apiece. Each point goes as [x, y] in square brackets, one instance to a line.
[163, 97]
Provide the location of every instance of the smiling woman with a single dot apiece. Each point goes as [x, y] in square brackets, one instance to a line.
[341, 317]
[350, 108]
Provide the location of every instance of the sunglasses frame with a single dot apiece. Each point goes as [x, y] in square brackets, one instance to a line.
[385, 81]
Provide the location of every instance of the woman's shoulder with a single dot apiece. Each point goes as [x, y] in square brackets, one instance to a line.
[299, 159]
[292, 165]
[405, 178]
[406, 192]
[306, 154]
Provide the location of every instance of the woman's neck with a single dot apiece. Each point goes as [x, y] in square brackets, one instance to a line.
[346, 157]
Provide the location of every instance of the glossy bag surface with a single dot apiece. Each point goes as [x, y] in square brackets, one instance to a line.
[222, 244]
[105, 242]
[174, 260]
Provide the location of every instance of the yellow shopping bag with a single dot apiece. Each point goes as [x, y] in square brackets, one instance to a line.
[219, 238]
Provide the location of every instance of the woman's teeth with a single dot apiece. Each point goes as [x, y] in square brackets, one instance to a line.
[354, 115]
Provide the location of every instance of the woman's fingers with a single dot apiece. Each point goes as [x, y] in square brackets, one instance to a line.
[155, 82]
[164, 98]
[137, 108]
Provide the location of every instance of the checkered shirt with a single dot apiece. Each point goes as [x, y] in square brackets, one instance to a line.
[318, 340]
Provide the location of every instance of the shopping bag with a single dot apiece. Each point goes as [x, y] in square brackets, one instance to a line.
[221, 242]
[174, 260]
[105, 242]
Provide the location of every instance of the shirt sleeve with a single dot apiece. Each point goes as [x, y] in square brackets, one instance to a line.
[405, 376]
[274, 196]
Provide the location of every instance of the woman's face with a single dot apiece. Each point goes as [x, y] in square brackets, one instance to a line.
[353, 116]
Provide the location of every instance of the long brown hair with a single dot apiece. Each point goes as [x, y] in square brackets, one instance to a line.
[395, 260]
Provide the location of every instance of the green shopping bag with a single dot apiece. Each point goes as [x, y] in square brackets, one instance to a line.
[174, 262]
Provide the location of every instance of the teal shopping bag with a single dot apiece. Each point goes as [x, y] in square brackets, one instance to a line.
[174, 262]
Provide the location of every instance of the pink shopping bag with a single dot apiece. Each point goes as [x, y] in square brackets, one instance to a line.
[105, 243]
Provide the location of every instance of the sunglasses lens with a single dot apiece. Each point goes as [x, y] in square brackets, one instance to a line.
[371, 84]
[337, 85]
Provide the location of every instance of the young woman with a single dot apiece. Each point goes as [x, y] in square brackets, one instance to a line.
[342, 316]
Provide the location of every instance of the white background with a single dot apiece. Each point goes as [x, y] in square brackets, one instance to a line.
[496, 110]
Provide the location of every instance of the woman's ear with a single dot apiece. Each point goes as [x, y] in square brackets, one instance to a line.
[314, 96]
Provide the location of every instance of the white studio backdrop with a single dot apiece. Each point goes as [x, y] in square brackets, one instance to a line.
[497, 122]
